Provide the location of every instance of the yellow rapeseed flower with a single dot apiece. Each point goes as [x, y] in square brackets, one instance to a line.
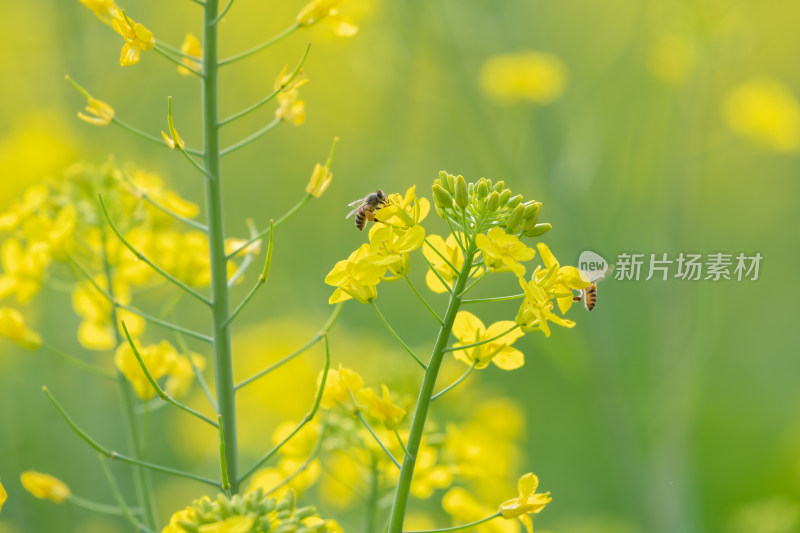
[23, 269]
[528, 502]
[317, 10]
[389, 247]
[97, 330]
[3, 496]
[103, 9]
[405, 211]
[381, 407]
[765, 112]
[469, 329]
[191, 47]
[558, 281]
[356, 277]
[537, 308]
[452, 252]
[290, 107]
[340, 387]
[12, 326]
[526, 76]
[233, 524]
[503, 252]
[320, 180]
[44, 486]
[159, 359]
[185, 515]
[98, 113]
[137, 38]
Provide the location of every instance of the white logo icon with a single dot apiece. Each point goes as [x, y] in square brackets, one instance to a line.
[593, 264]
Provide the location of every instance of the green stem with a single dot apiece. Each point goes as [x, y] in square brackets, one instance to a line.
[252, 137]
[303, 467]
[197, 373]
[223, 364]
[377, 439]
[456, 382]
[178, 62]
[484, 341]
[271, 95]
[466, 290]
[258, 48]
[223, 13]
[146, 197]
[371, 509]
[462, 526]
[440, 254]
[496, 299]
[424, 302]
[262, 279]
[426, 392]
[401, 443]
[272, 227]
[396, 336]
[436, 273]
[95, 507]
[152, 138]
[126, 511]
[78, 363]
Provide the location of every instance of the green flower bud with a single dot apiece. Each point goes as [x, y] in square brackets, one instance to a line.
[493, 203]
[287, 503]
[304, 512]
[527, 224]
[189, 527]
[515, 218]
[505, 196]
[483, 188]
[532, 211]
[514, 201]
[499, 186]
[451, 183]
[442, 198]
[461, 194]
[539, 229]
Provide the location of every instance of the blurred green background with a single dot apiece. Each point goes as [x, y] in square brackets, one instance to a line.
[672, 407]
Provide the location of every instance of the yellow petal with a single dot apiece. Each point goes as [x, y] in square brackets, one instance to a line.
[341, 25]
[434, 283]
[466, 325]
[130, 55]
[528, 484]
[509, 359]
[547, 256]
[499, 327]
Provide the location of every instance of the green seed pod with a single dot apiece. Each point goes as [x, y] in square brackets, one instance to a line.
[505, 196]
[539, 229]
[493, 203]
[499, 186]
[514, 201]
[483, 188]
[442, 198]
[515, 218]
[461, 194]
[532, 212]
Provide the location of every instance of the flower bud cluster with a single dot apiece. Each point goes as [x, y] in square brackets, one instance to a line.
[484, 204]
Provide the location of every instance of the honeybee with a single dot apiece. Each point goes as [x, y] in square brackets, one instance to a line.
[589, 294]
[366, 208]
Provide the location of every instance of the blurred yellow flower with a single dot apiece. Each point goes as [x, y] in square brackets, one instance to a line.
[765, 112]
[452, 252]
[525, 76]
[503, 252]
[99, 113]
[103, 9]
[182, 376]
[528, 502]
[44, 486]
[152, 185]
[340, 387]
[429, 475]
[97, 330]
[381, 407]
[23, 269]
[320, 180]
[158, 358]
[3, 495]
[355, 277]
[137, 38]
[290, 107]
[191, 47]
[317, 10]
[186, 515]
[173, 141]
[12, 326]
[233, 524]
[464, 508]
[671, 58]
[468, 329]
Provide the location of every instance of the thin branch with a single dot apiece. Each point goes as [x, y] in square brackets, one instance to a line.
[222, 14]
[195, 164]
[78, 363]
[270, 96]
[424, 302]
[177, 61]
[161, 394]
[258, 48]
[261, 279]
[402, 444]
[466, 290]
[456, 528]
[173, 50]
[141, 256]
[152, 138]
[198, 2]
[308, 418]
[250, 138]
[480, 343]
[197, 374]
[119, 457]
[323, 332]
[436, 273]
[95, 507]
[440, 254]
[456, 382]
[277, 224]
[396, 336]
[126, 511]
[363, 420]
[147, 198]
[495, 299]
[302, 467]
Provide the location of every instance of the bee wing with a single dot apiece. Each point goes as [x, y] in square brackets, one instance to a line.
[353, 212]
[359, 201]
[598, 275]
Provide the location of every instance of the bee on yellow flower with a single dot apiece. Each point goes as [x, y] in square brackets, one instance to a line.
[137, 38]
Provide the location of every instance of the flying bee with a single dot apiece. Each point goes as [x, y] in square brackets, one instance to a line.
[589, 294]
[366, 208]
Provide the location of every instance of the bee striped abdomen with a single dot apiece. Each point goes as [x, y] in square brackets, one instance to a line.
[361, 219]
[590, 296]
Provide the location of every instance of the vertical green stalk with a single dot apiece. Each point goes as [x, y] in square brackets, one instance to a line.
[141, 477]
[223, 367]
[425, 394]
